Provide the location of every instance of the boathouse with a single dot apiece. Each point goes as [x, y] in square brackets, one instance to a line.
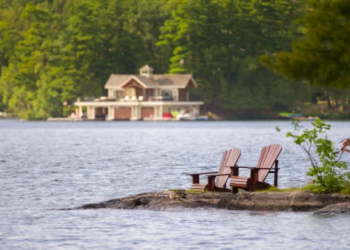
[146, 96]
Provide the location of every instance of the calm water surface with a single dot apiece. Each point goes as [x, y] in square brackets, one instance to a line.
[45, 166]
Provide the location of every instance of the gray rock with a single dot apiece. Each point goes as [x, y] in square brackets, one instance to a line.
[339, 208]
[179, 199]
[178, 194]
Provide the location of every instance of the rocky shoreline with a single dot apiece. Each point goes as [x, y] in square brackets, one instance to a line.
[269, 201]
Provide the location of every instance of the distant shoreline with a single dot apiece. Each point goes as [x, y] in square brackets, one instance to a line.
[228, 120]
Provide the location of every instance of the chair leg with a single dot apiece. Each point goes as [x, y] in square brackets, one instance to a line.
[234, 172]
[234, 190]
[195, 179]
[211, 183]
[275, 183]
[253, 179]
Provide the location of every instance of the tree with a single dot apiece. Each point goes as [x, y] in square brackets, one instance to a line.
[326, 165]
[322, 57]
[54, 51]
[220, 43]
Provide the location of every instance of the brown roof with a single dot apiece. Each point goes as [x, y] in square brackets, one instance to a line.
[176, 80]
[116, 80]
[146, 81]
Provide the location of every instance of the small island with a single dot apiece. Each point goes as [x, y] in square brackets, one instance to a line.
[328, 193]
[180, 199]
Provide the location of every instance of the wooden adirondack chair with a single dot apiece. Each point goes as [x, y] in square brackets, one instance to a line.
[268, 157]
[217, 180]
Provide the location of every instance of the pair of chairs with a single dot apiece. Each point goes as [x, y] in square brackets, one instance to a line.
[230, 169]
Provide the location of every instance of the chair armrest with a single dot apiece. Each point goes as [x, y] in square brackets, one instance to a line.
[269, 168]
[202, 173]
[209, 175]
[243, 167]
[253, 167]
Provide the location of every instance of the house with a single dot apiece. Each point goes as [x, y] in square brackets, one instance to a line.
[146, 96]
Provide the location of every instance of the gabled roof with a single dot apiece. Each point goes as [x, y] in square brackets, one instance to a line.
[143, 80]
[146, 81]
[115, 81]
[158, 81]
[176, 80]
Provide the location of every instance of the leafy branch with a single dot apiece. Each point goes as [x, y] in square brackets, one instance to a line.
[326, 167]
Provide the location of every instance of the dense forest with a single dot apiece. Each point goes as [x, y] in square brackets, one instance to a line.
[53, 51]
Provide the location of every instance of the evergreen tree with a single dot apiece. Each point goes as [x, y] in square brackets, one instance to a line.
[322, 57]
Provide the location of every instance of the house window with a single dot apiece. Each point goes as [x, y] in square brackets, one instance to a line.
[167, 93]
[149, 93]
[119, 94]
[183, 95]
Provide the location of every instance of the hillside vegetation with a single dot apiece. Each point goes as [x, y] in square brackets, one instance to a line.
[53, 51]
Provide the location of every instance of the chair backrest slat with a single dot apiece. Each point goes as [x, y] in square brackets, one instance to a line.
[222, 163]
[229, 159]
[267, 158]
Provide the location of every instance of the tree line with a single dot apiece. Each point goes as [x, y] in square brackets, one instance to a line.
[53, 51]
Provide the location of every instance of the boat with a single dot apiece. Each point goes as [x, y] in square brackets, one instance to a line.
[188, 118]
[293, 116]
[286, 115]
[188, 114]
[203, 118]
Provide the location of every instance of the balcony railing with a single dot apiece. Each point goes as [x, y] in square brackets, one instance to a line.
[136, 99]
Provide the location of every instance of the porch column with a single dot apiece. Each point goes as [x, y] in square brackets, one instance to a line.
[88, 112]
[138, 112]
[110, 113]
[156, 111]
[161, 111]
[176, 94]
[91, 113]
[80, 111]
[133, 115]
[156, 115]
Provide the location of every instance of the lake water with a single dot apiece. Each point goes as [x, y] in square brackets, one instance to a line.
[46, 166]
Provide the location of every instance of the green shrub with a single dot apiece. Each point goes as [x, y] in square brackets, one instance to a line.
[346, 188]
[326, 165]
